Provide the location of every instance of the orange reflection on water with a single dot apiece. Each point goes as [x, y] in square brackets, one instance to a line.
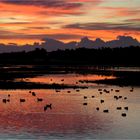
[67, 78]
[69, 117]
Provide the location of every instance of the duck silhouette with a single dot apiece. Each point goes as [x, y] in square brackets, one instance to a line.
[47, 106]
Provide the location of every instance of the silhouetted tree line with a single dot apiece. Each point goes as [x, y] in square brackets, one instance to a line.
[80, 56]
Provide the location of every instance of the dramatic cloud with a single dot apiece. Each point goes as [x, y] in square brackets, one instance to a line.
[104, 26]
[51, 3]
[59, 36]
[67, 19]
[54, 6]
[59, 4]
[136, 20]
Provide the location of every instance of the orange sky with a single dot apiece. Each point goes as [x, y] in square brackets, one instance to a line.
[28, 21]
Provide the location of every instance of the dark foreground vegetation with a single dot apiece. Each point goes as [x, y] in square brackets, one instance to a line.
[31, 85]
[81, 56]
[84, 61]
[123, 78]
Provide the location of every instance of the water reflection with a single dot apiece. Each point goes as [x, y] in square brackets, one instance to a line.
[71, 79]
[69, 118]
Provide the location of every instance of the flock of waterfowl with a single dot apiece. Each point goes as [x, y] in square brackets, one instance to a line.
[116, 97]
[22, 100]
[100, 91]
[47, 106]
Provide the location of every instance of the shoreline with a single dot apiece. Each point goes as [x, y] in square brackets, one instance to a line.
[31, 85]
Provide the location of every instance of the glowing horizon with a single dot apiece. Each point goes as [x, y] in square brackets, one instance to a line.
[28, 21]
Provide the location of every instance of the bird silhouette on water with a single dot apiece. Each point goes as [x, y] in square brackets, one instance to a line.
[106, 111]
[33, 94]
[8, 100]
[131, 90]
[4, 100]
[119, 108]
[48, 106]
[84, 103]
[39, 99]
[102, 101]
[97, 108]
[101, 92]
[117, 90]
[120, 97]
[22, 100]
[126, 108]
[116, 97]
[85, 97]
[57, 90]
[125, 98]
[123, 114]
[99, 89]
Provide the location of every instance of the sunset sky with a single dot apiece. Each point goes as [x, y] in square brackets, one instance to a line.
[27, 21]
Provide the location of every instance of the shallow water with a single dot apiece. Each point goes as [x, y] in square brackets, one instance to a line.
[69, 118]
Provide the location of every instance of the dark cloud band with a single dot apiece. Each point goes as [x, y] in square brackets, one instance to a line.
[103, 26]
[45, 3]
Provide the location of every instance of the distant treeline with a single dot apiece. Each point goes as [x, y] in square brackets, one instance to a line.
[129, 56]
